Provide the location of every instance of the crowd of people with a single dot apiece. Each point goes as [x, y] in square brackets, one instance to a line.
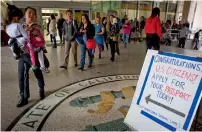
[28, 44]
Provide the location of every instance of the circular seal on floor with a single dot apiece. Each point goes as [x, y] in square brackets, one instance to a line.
[98, 104]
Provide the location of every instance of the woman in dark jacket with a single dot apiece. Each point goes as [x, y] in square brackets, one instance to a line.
[113, 31]
[87, 30]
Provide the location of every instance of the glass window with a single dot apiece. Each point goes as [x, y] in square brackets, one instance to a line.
[106, 7]
[145, 8]
[172, 6]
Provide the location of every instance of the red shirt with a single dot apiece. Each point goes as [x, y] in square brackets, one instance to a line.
[153, 25]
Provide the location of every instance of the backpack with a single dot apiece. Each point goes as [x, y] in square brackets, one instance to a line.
[35, 36]
[14, 45]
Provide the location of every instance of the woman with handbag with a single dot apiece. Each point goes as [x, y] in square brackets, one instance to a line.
[53, 30]
[88, 43]
[113, 31]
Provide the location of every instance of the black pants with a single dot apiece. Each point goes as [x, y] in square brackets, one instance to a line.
[106, 42]
[182, 42]
[168, 42]
[152, 40]
[60, 35]
[24, 64]
[114, 48]
[53, 38]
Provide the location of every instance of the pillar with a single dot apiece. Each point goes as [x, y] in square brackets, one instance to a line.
[185, 12]
[39, 17]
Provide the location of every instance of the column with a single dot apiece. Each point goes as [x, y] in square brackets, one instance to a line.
[39, 15]
[185, 12]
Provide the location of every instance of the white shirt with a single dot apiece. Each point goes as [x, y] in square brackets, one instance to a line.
[184, 32]
[16, 29]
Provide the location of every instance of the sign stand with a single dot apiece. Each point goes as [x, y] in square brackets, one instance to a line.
[197, 117]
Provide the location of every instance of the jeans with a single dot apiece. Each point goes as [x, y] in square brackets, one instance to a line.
[196, 45]
[24, 64]
[83, 55]
[54, 41]
[126, 38]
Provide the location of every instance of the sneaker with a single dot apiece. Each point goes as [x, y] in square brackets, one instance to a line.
[63, 67]
[33, 68]
[44, 69]
[90, 66]
[80, 68]
[112, 59]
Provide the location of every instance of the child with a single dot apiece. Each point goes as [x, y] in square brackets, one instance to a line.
[126, 32]
[14, 29]
[19, 38]
[99, 31]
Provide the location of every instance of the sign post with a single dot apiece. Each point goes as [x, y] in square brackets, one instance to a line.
[168, 93]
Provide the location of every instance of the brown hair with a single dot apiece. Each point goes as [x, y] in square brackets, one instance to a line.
[70, 11]
[98, 17]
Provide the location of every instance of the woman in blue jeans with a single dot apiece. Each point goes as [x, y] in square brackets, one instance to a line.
[87, 31]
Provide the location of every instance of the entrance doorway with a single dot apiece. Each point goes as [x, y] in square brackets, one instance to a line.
[46, 13]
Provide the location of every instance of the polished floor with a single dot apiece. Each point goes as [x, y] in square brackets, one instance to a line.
[123, 73]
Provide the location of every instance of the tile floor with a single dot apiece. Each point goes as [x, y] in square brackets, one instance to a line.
[129, 62]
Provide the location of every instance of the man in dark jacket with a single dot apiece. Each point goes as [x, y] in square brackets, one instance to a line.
[70, 29]
[60, 27]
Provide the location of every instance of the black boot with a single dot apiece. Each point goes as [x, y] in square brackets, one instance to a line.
[42, 95]
[21, 101]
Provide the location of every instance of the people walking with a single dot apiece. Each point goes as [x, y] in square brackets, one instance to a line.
[113, 31]
[53, 30]
[60, 28]
[70, 29]
[104, 23]
[153, 30]
[99, 35]
[87, 31]
[126, 28]
[48, 31]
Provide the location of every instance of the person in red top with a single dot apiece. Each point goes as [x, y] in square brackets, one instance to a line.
[153, 30]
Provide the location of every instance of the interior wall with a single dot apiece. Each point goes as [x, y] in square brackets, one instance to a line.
[197, 23]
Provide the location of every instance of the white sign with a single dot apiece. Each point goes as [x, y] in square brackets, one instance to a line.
[167, 94]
